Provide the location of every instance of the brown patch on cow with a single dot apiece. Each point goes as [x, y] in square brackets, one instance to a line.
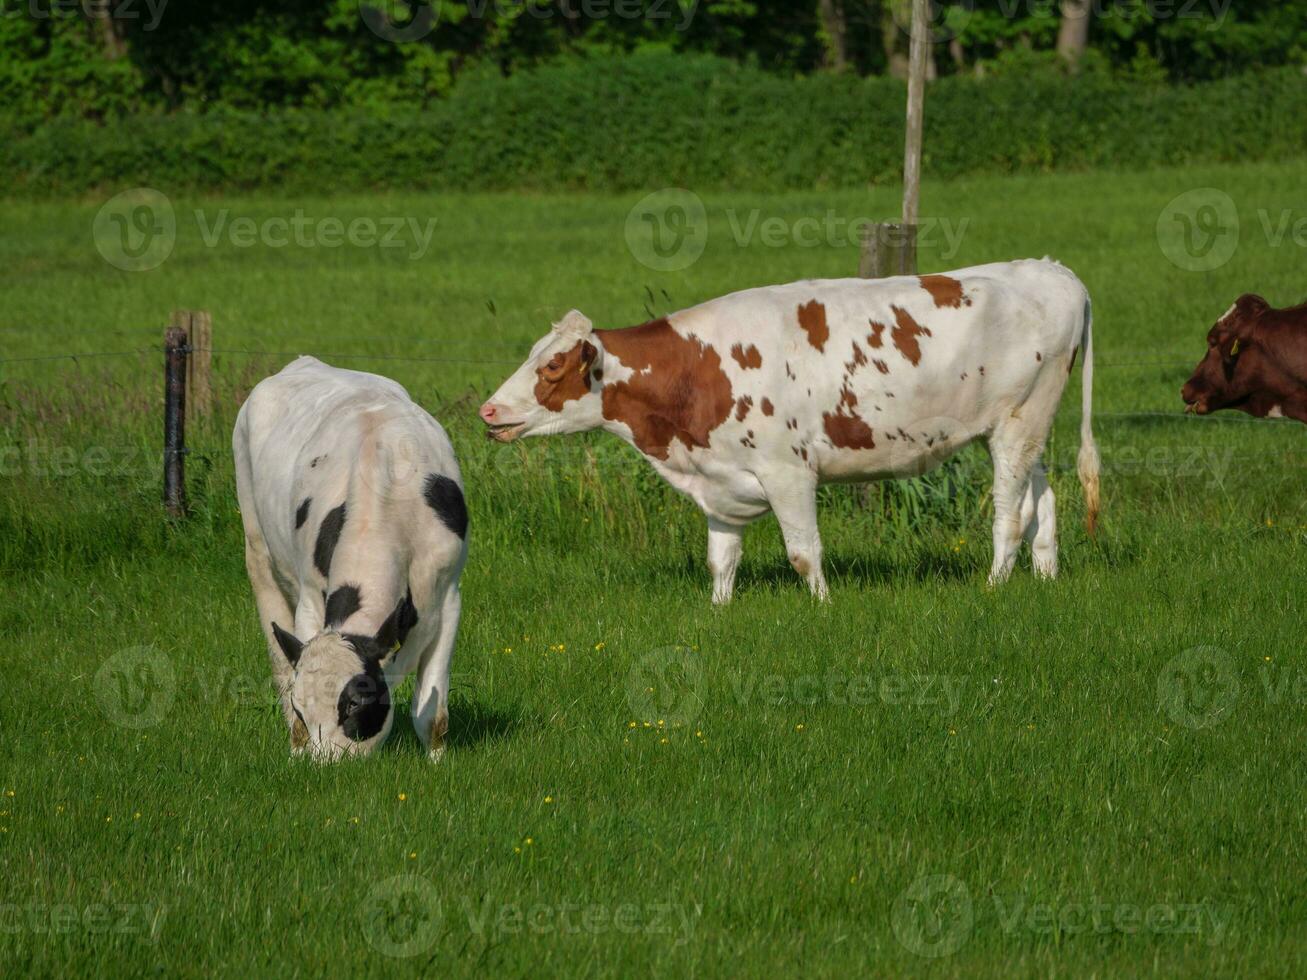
[906, 332]
[804, 453]
[800, 564]
[881, 366]
[859, 359]
[747, 357]
[964, 375]
[437, 732]
[788, 373]
[566, 377]
[1038, 356]
[945, 291]
[844, 427]
[792, 424]
[678, 391]
[812, 320]
[982, 370]
[767, 407]
[874, 338]
[299, 735]
[742, 407]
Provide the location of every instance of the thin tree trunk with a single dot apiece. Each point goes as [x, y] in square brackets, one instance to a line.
[111, 41]
[1073, 32]
[835, 31]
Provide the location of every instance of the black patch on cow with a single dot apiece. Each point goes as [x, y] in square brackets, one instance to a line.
[364, 703]
[328, 535]
[394, 631]
[302, 513]
[290, 645]
[446, 499]
[342, 604]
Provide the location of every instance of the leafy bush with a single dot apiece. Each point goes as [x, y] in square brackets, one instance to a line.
[656, 120]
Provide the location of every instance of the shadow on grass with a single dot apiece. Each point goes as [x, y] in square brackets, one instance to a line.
[471, 723]
[867, 570]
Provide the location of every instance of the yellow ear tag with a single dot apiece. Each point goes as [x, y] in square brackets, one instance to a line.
[395, 648]
[1234, 348]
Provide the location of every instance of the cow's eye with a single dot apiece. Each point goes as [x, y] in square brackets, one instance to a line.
[555, 362]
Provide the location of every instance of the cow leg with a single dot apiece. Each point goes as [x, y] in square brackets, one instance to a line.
[431, 691]
[1038, 517]
[725, 545]
[273, 608]
[1014, 455]
[793, 499]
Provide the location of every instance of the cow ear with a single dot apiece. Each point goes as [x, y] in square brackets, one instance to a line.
[588, 354]
[290, 646]
[574, 325]
[1252, 304]
[395, 629]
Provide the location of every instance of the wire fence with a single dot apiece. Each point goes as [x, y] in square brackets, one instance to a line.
[1142, 415]
[362, 356]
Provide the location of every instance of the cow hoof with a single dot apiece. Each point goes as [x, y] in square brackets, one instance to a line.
[436, 753]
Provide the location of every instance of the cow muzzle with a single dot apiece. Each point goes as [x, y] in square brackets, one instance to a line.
[497, 427]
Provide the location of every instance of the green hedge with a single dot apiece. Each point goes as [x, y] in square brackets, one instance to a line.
[661, 120]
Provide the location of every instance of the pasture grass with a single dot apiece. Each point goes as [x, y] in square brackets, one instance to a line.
[1098, 775]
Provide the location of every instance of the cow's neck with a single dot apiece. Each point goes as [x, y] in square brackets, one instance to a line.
[661, 388]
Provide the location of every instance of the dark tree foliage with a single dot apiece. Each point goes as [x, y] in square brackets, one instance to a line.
[102, 59]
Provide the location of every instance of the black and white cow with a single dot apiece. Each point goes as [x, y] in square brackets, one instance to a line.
[355, 537]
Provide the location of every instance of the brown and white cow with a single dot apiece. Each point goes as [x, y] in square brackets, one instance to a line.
[746, 403]
[1256, 362]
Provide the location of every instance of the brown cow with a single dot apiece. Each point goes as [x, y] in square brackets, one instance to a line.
[1256, 362]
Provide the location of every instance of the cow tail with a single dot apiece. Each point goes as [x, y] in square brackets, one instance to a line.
[1087, 463]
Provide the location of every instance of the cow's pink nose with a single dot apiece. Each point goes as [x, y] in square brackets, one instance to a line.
[489, 412]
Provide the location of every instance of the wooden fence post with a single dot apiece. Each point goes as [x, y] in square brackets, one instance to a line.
[199, 386]
[175, 348]
[888, 249]
[891, 249]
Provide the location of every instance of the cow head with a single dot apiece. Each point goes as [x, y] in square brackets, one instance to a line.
[339, 696]
[1234, 366]
[555, 391]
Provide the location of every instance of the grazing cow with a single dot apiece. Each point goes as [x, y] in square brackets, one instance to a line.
[746, 403]
[1256, 362]
[355, 536]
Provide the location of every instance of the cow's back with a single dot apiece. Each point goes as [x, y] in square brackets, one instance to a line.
[314, 439]
[865, 378]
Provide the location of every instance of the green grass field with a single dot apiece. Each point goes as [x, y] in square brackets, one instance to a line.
[1103, 775]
